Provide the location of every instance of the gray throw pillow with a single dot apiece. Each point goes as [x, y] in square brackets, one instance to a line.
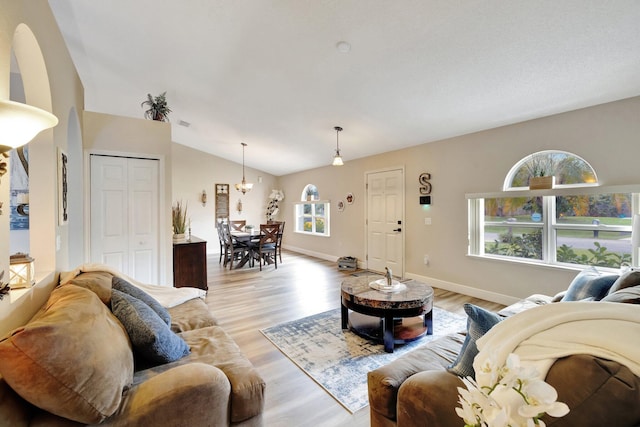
[479, 321]
[589, 283]
[150, 337]
[126, 287]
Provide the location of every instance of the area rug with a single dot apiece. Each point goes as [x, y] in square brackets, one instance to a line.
[339, 360]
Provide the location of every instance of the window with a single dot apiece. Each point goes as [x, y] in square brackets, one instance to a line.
[568, 169]
[312, 215]
[574, 223]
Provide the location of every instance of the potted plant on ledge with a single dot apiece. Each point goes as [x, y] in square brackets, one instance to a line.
[158, 109]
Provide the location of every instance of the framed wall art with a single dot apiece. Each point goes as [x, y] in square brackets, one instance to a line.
[63, 211]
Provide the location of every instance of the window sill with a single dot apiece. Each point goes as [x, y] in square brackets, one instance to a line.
[564, 267]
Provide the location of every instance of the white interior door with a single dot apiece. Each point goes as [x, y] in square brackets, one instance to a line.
[125, 216]
[385, 218]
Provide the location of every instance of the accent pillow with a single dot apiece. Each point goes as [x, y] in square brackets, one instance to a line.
[479, 321]
[72, 359]
[589, 283]
[150, 336]
[97, 281]
[627, 280]
[126, 287]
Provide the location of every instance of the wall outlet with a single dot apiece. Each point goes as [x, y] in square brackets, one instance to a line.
[426, 260]
[427, 221]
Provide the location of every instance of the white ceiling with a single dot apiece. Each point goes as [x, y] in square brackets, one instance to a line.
[268, 73]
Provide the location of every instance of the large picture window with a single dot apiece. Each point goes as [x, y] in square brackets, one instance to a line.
[573, 223]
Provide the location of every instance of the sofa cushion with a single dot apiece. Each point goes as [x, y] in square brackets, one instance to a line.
[72, 359]
[97, 281]
[598, 392]
[589, 284]
[384, 382]
[126, 287]
[479, 321]
[213, 346]
[150, 335]
[192, 314]
[627, 280]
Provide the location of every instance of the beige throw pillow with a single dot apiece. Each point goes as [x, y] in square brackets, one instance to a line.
[72, 359]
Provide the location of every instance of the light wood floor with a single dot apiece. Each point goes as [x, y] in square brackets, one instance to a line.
[247, 300]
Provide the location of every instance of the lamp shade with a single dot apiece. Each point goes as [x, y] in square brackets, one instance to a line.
[20, 123]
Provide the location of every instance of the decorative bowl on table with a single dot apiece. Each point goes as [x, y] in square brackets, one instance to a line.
[382, 285]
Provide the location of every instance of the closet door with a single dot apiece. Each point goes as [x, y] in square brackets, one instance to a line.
[124, 215]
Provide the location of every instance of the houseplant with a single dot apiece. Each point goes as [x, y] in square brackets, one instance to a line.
[158, 109]
[179, 220]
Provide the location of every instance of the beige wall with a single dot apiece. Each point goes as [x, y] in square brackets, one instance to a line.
[606, 136]
[194, 171]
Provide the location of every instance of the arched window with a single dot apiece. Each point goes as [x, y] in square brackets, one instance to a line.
[569, 170]
[311, 213]
[309, 193]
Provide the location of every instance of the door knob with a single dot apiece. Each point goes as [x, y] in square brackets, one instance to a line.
[397, 229]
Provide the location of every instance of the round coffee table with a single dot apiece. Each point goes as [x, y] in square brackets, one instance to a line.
[384, 312]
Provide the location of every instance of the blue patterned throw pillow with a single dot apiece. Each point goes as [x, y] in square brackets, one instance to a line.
[150, 337]
[589, 284]
[126, 287]
[479, 321]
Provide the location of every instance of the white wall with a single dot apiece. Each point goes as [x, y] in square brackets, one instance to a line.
[606, 136]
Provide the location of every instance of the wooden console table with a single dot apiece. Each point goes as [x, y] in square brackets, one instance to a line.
[190, 263]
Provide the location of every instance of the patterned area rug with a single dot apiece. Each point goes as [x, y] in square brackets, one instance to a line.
[339, 360]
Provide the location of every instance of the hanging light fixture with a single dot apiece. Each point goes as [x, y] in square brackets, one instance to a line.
[244, 186]
[20, 123]
[337, 159]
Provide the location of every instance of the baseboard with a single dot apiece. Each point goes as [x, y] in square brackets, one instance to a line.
[465, 290]
[303, 251]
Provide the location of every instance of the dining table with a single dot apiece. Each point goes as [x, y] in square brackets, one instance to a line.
[246, 238]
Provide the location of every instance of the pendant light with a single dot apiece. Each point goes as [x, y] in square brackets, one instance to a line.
[244, 186]
[337, 159]
[20, 123]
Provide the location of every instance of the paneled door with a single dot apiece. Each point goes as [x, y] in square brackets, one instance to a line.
[125, 215]
[385, 217]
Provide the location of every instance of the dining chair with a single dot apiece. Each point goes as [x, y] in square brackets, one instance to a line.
[238, 224]
[234, 250]
[267, 246]
[280, 233]
[219, 222]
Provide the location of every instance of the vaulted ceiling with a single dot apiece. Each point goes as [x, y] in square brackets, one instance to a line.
[273, 74]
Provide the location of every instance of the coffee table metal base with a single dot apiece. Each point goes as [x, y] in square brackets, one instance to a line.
[390, 331]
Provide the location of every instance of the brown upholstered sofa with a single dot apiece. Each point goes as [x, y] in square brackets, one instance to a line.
[417, 389]
[87, 373]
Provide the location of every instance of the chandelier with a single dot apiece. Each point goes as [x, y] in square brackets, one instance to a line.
[244, 186]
